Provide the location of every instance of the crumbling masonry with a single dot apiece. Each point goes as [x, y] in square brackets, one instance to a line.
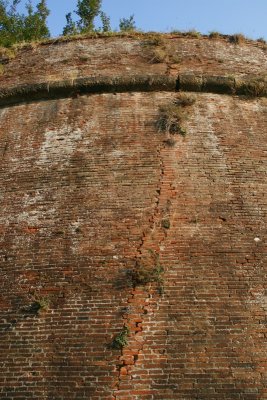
[133, 258]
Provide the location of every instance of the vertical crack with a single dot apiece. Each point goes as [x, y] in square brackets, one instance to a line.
[5, 149]
[141, 298]
[147, 288]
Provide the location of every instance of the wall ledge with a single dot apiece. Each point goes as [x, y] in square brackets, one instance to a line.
[250, 86]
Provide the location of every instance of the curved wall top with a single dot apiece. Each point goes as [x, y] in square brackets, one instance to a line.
[133, 220]
[102, 63]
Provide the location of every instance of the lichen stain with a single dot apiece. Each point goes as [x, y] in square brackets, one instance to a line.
[59, 145]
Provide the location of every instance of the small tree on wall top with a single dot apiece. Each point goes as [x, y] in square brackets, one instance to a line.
[17, 27]
[87, 11]
[127, 24]
[35, 22]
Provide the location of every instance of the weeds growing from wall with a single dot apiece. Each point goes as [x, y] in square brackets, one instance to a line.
[7, 54]
[165, 223]
[121, 339]
[237, 38]
[193, 34]
[175, 58]
[154, 49]
[172, 115]
[39, 305]
[215, 35]
[159, 56]
[170, 142]
[148, 272]
[252, 88]
[262, 40]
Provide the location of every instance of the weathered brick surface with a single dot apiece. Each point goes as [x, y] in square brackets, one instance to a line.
[85, 184]
[131, 56]
[207, 338]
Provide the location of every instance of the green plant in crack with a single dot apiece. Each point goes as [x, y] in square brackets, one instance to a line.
[165, 223]
[172, 115]
[121, 339]
[170, 142]
[39, 305]
[148, 272]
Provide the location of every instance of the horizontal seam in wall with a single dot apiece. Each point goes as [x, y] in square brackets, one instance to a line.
[252, 86]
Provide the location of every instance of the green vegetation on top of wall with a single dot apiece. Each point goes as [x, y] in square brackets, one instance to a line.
[16, 27]
[87, 11]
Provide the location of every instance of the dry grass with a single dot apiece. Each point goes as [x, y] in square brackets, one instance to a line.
[170, 142]
[193, 34]
[155, 49]
[215, 35]
[144, 275]
[7, 54]
[175, 58]
[172, 115]
[184, 100]
[261, 40]
[154, 38]
[254, 87]
[159, 55]
[170, 119]
[148, 270]
[237, 38]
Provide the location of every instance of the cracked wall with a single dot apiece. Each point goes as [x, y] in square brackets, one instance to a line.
[87, 183]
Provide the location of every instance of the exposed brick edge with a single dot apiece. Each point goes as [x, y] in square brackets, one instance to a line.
[142, 300]
[254, 86]
[86, 85]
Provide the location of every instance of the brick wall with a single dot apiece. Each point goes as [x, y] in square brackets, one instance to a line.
[92, 191]
[165, 54]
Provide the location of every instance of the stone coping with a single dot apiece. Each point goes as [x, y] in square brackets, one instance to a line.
[250, 86]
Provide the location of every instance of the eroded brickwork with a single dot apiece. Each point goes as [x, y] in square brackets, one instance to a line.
[91, 190]
[168, 55]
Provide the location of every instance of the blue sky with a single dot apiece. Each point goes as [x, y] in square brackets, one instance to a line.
[226, 16]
